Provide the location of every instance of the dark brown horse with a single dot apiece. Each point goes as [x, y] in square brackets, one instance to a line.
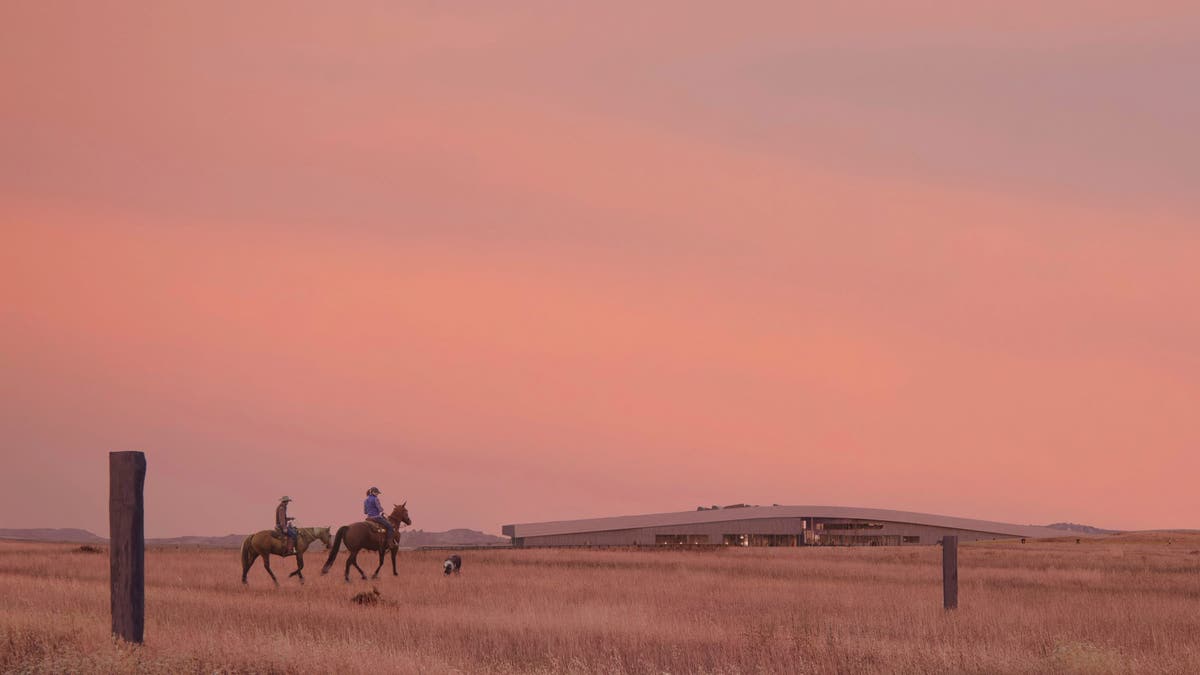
[362, 535]
[265, 544]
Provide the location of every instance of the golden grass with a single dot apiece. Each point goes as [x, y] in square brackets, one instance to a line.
[1122, 604]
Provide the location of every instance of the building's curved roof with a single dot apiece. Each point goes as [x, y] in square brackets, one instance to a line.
[755, 512]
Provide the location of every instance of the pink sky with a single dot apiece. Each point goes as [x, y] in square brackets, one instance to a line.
[542, 262]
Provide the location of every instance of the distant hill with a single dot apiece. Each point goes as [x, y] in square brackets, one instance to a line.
[457, 537]
[67, 534]
[408, 538]
[227, 541]
[77, 536]
[1081, 529]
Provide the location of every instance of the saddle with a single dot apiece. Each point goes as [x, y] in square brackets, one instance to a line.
[378, 530]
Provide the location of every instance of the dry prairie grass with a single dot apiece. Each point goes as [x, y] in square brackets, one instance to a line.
[1123, 604]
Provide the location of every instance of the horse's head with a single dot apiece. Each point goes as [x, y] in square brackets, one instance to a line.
[322, 533]
[400, 514]
[310, 534]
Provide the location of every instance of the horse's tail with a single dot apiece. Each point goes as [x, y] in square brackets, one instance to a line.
[247, 553]
[337, 543]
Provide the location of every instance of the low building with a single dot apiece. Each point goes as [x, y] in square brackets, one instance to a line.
[769, 526]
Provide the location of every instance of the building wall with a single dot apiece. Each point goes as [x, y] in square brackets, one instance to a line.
[927, 534]
[715, 532]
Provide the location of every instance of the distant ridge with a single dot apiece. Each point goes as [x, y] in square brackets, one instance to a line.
[1082, 529]
[227, 541]
[456, 537]
[408, 538]
[76, 536]
[65, 534]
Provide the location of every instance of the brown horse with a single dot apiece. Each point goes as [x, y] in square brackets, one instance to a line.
[264, 543]
[362, 535]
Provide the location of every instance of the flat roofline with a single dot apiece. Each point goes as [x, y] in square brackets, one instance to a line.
[633, 522]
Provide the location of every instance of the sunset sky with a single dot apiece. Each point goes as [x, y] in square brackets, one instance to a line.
[535, 261]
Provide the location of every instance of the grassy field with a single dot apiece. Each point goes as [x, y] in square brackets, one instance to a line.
[1128, 603]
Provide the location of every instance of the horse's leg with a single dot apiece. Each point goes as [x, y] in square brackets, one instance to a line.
[382, 552]
[299, 567]
[267, 564]
[394, 572]
[354, 559]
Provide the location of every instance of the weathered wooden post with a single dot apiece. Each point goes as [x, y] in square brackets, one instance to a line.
[950, 572]
[127, 543]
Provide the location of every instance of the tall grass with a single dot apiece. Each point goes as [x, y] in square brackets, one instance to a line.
[1122, 604]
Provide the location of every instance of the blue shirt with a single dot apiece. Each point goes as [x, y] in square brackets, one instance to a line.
[372, 508]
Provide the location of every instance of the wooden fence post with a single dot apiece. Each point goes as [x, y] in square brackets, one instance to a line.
[950, 572]
[127, 543]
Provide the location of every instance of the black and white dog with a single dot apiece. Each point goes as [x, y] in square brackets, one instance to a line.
[452, 564]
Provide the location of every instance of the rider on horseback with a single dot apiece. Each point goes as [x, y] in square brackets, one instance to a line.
[374, 513]
[283, 524]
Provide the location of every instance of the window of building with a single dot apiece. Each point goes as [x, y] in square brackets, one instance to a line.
[761, 540]
[853, 526]
[681, 539]
[860, 540]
